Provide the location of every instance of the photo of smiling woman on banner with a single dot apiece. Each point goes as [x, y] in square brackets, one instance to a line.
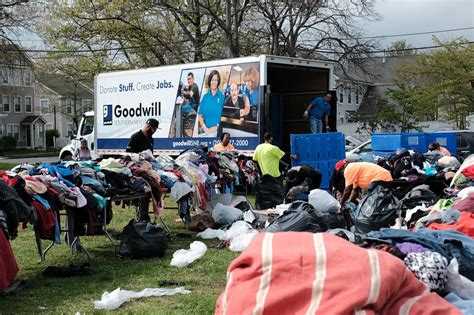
[212, 102]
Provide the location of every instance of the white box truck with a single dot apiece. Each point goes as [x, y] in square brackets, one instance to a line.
[194, 103]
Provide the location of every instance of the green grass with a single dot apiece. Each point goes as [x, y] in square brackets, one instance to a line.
[7, 166]
[19, 153]
[206, 277]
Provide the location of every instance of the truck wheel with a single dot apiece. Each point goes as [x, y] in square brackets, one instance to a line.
[67, 156]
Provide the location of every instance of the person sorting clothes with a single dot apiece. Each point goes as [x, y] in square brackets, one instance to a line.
[436, 146]
[225, 143]
[363, 175]
[268, 157]
[143, 139]
[140, 141]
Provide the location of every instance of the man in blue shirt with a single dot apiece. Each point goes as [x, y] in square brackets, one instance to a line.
[317, 111]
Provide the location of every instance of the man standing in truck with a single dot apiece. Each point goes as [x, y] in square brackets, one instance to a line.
[318, 110]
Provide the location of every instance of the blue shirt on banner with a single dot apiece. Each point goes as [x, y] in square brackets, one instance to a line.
[319, 108]
[211, 108]
[254, 97]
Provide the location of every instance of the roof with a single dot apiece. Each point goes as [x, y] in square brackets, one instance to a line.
[64, 86]
[32, 119]
[12, 55]
[376, 71]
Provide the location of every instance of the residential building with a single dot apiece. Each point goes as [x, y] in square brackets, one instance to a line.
[32, 102]
[61, 101]
[18, 117]
[356, 86]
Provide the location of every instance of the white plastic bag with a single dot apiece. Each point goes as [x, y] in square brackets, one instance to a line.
[282, 208]
[113, 300]
[323, 201]
[457, 283]
[183, 257]
[237, 229]
[240, 243]
[211, 233]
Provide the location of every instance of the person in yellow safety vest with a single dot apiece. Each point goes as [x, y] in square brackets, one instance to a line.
[435, 146]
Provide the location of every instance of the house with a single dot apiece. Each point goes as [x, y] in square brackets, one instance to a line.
[33, 102]
[62, 101]
[18, 115]
[356, 86]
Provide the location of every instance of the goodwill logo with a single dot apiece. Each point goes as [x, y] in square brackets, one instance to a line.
[108, 115]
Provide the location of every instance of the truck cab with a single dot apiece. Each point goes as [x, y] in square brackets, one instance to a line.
[85, 131]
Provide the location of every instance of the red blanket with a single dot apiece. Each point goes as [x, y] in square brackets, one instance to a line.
[8, 266]
[304, 273]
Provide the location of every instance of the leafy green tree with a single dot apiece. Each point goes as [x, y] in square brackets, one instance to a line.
[443, 78]
[400, 48]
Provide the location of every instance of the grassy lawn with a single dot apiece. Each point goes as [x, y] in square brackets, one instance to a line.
[7, 166]
[206, 277]
[12, 153]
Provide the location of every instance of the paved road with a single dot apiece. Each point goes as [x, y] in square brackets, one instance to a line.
[30, 159]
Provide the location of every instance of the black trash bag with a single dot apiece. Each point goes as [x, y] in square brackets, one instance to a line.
[336, 220]
[243, 205]
[142, 239]
[301, 216]
[269, 192]
[377, 210]
[417, 196]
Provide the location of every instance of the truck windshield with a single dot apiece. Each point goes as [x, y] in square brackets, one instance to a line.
[87, 126]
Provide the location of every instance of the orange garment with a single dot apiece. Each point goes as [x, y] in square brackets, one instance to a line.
[220, 147]
[361, 174]
[306, 273]
[464, 225]
[444, 150]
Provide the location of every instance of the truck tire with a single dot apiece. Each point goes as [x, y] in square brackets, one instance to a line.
[66, 156]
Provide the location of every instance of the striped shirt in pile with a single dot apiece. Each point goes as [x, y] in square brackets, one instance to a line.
[305, 273]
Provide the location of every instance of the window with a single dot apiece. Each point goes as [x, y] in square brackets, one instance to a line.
[12, 131]
[4, 77]
[70, 130]
[17, 104]
[45, 106]
[87, 126]
[49, 126]
[27, 77]
[6, 103]
[349, 96]
[68, 106]
[341, 96]
[87, 105]
[28, 104]
[357, 97]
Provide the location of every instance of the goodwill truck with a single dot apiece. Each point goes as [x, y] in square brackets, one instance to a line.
[195, 102]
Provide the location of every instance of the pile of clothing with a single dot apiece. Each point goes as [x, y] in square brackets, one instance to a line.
[423, 223]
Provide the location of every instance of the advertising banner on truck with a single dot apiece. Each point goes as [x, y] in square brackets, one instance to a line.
[193, 106]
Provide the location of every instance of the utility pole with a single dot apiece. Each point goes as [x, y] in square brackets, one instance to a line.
[55, 130]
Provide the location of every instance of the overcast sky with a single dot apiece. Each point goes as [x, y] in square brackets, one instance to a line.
[411, 16]
[400, 17]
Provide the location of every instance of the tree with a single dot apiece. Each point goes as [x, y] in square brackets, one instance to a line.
[444, 78]
[400, 48]
[316, 28]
